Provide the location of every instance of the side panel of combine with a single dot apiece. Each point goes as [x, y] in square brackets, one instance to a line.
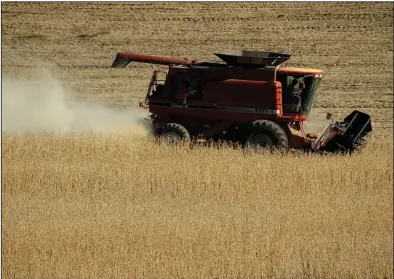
[260, 96]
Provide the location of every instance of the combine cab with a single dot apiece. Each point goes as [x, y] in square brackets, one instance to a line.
[247, 97]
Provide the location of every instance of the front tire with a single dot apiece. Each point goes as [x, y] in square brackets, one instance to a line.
[173, 132]
[266, 134]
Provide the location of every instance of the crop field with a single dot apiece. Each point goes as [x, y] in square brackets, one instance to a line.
[87, 192]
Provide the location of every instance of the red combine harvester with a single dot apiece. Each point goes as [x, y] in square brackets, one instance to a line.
[248, 97]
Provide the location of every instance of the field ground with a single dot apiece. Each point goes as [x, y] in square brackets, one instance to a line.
[119, 205]
[351, 42]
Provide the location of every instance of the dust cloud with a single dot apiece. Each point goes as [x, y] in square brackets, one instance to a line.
[316, 122]
[44, 105]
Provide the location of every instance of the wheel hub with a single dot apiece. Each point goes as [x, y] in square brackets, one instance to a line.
[261, 141]
[172, 137]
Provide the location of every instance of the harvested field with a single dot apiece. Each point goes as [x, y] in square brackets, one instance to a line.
[90, 204]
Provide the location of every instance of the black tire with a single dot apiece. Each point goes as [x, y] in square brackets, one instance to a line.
[266, 134]
[174, 132]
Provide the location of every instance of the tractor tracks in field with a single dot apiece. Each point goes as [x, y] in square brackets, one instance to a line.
[324, 20]
[255, 14]
[355, 105]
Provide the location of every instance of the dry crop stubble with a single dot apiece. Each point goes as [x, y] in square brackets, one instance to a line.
[330, 36]
[124, 206]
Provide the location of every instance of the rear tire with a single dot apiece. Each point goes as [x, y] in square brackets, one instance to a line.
[266, 134]
[173, 132]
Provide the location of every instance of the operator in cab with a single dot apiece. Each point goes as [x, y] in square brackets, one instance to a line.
[294, 92]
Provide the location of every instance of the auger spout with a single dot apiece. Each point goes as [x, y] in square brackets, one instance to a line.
[124, 58]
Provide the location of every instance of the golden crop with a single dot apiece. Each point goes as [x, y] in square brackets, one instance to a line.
[86, 206]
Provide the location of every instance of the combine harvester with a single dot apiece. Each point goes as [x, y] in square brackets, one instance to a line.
[248, 97]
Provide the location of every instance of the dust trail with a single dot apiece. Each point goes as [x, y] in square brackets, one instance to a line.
[316, 122]
[44, 105]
